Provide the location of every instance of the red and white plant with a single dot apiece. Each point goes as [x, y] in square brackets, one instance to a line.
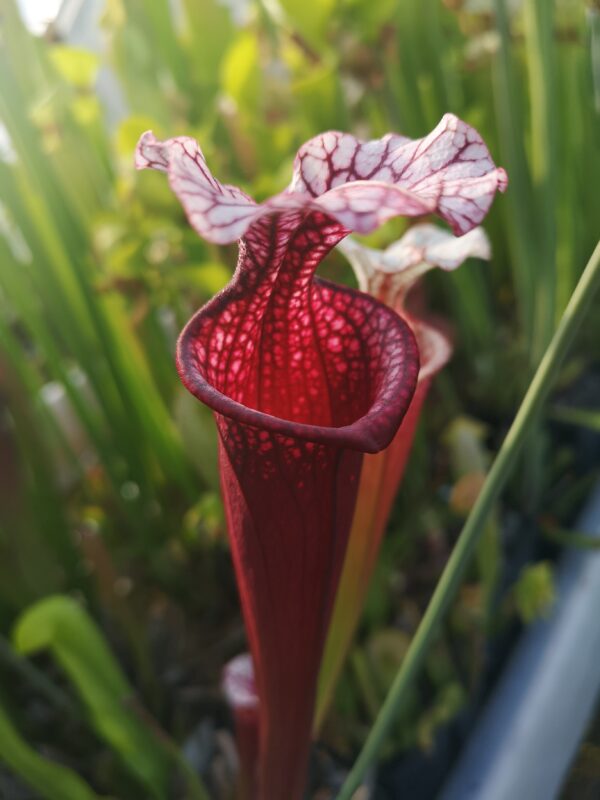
[305, 377]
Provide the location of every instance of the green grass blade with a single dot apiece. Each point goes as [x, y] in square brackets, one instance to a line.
[540, 50]
[51, 781]
[521, 227]
[59, 624]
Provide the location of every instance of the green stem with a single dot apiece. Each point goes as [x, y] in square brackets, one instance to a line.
[475, 525]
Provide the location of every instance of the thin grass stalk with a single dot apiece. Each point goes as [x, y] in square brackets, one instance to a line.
[540, 52]
[521, 227]
[32, 384]
[405, 83]
[475, 527]
[470, 295]
[45, 513]
[586, 90]
[94, 427]
[433, 55]
[593, 15]
[574, 173]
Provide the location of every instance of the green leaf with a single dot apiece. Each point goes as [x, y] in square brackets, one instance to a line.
[534, 592]
[52, 781]
[207, 34]
[77, 66]
[240, 73]
[209, 277]
[368, 18]
[582, 417]
[310, 20]
[199, 434]
[318, 93]
[60, 625]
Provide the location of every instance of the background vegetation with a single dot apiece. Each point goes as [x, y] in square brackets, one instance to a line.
[117, 602]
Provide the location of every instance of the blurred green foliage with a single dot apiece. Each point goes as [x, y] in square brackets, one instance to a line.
[108, 483]
[534, 592]
[59, 624]
[52, 781]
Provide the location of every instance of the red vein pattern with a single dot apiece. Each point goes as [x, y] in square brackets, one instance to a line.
[304, 378]
[359, 184]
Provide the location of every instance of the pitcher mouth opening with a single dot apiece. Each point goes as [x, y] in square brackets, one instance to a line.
[369, 433]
